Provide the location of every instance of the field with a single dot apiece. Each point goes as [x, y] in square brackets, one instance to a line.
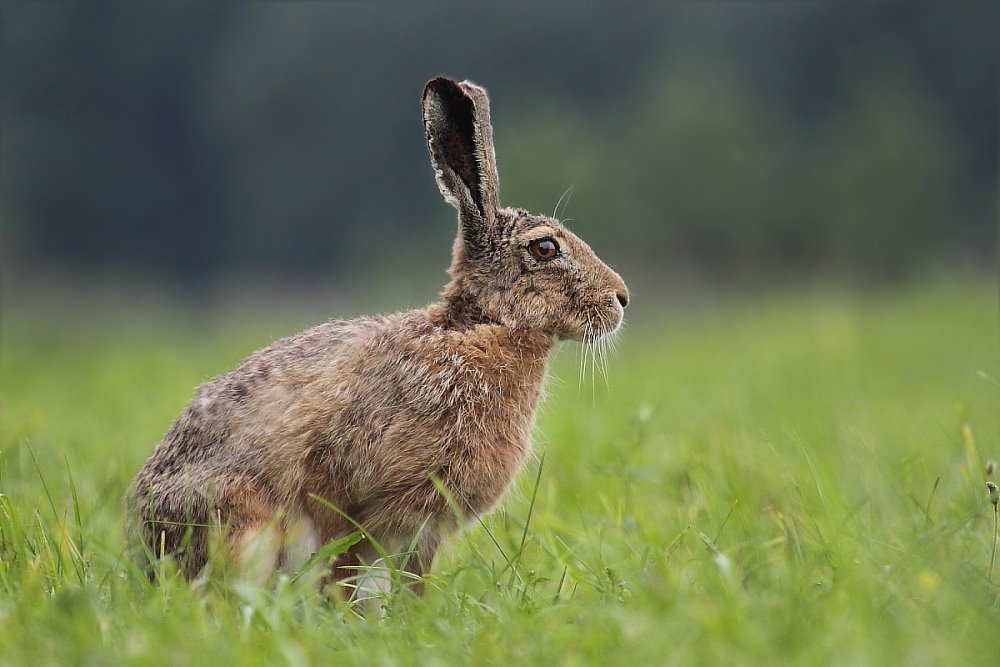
[796, 476]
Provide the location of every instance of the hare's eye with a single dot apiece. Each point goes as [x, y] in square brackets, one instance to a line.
[543, 249]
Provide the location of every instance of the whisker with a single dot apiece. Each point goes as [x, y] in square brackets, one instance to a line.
[605, 348]
[567, 194]
[590, 352]
[593, 362]
[604, 361]
[596, 350]
[613, 340]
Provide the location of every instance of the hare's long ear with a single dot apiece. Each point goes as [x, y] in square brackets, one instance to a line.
[460, 141]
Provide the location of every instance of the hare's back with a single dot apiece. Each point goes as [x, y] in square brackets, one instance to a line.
[273, 397]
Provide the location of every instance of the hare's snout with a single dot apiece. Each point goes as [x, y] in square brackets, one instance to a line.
[618, 316]
[618, 300]
[620, 291]
[607, 318]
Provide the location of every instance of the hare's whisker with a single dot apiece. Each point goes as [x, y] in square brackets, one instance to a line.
[567, 195]
[604, 360]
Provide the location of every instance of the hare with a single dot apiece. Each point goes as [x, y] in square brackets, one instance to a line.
[408, 424]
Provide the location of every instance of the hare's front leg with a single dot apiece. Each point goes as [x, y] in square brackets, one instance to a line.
[370, 572]
[419, 562]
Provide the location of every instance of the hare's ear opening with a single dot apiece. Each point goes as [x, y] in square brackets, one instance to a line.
[460, 142]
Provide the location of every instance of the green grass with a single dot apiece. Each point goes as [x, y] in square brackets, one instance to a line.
[790, 478]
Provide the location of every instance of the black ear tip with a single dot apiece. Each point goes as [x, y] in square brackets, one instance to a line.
[440, 84]
[440, 79]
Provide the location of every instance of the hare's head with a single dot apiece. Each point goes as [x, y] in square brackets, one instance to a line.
[510, 266]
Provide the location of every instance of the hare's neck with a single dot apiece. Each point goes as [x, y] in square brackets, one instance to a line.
[462, 314]
[458, 310]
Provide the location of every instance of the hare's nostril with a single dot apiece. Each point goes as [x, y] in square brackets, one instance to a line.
[622, 299]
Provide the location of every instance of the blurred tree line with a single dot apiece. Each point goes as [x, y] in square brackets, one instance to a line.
[195, 142]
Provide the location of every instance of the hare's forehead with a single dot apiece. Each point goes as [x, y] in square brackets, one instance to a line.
[526, 226]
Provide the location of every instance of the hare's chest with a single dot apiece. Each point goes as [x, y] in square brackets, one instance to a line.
[471, 398]
[488, 454]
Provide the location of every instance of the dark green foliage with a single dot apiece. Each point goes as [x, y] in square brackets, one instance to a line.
[198, 141]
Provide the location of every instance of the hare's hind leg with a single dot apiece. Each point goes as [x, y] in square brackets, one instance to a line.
[253, 527]
[189, 520]
[169, 521]
[256, 548]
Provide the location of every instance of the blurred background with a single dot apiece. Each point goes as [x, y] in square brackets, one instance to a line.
[204, 151]
[801, 195]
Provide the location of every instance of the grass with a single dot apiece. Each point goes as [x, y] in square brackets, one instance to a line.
[798, 477]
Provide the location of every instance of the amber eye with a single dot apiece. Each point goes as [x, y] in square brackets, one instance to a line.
[543, 249]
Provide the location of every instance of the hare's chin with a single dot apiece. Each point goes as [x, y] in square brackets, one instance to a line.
[613, 330]
[618, 319]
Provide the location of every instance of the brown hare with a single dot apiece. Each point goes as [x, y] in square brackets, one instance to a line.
[409, 424]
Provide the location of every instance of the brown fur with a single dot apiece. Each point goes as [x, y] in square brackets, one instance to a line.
[372, 415]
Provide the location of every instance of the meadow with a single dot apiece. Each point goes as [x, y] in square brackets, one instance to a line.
[791, 476]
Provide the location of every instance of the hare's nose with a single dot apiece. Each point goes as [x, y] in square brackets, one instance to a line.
[622, 298]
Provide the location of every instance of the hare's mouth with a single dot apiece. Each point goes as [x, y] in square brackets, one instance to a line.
[602, 325]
